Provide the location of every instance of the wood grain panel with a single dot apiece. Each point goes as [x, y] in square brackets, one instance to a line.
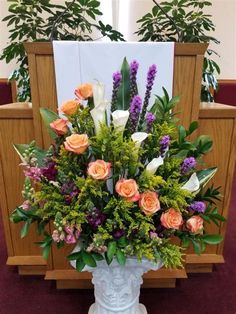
[184, 70]
[47, 90]
[18, 131]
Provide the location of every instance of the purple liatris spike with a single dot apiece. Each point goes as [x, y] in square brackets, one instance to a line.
[117, 78]
[188, 164]
[135, 109]
[198, 206]
[164, 144]
[152, 71]
[133, 70]
[150, 118]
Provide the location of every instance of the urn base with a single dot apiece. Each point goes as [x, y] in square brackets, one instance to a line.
[141, 310]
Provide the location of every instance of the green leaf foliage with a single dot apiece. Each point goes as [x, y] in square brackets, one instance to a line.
[123, 101]
[212, 238]
[49, 116]
[111, 250]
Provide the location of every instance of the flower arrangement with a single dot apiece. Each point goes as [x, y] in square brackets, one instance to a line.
[121, 178]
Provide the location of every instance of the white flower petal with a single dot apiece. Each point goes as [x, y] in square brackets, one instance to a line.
[139, 137]
[99, 117]
[154, 165]
[192, 184]
[120, 118]
[99, 96]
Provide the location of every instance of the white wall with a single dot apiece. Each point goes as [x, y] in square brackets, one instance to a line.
[224, 17]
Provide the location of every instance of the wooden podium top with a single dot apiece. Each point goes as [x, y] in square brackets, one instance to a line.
[181, 49]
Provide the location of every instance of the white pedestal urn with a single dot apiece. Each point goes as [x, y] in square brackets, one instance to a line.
[117, 288]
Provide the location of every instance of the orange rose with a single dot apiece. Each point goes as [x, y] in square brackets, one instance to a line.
[171, 219]
[195, 224]
[69, 107]
[77, 143]
[99, 169]
[84, 91]
[128, 189]
[59, 126]
[149, 202]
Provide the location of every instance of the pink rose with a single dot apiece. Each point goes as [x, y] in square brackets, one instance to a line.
[128, 189]
[59, 126]
[77, 143]
[99, 169]
[149, 203]
[195, 224]
[171, 219]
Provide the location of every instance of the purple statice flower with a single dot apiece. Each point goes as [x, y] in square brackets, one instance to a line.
[96, 218]
[118, 233]
[152, 71]
[188, 164]
[117, 78]
[133, 70]
[50, 171]
[164, 144]
[135, 109]
[198, 206]
[150, 118]
[33, 173]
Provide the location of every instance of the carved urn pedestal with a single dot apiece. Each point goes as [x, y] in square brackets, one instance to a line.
[117, 288]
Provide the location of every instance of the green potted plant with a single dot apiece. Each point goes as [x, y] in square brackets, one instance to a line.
[183, 21]
[31, 20]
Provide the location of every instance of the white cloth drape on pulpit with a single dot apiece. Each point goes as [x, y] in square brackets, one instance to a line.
[84, 62]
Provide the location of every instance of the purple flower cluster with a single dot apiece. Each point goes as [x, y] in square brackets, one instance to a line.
[135, 109]
[164, 144]
[152, 71]
[96, 218]
[69, 190]
[118, 233]
[198, 206]
[117, 77]
[50, 171]
[150, 118]
[188, 164]
[134, 65]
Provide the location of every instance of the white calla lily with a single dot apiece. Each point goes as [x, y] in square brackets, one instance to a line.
[193, 184]
[99, 96]
[99, 117]
[154, 165]
[138, 138]
[120, 118]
